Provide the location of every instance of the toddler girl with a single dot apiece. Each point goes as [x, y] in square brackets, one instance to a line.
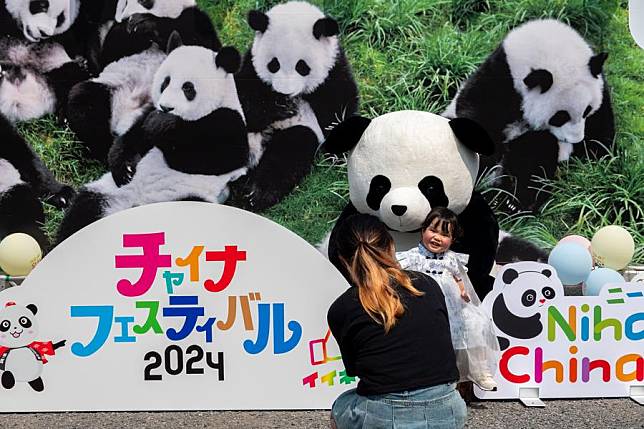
[473, 335]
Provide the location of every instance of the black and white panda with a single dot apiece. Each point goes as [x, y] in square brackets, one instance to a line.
[520, 292]
[188, 148]
[105, 107]
[24, 180]
[37, 20]
[138, 24]
[108, 105]
[542, 97]
[35, 78]
[295, 83]
[21, 356]
[403, 164]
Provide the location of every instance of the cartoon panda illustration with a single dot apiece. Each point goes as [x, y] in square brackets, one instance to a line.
[21, 356]
[520, 291]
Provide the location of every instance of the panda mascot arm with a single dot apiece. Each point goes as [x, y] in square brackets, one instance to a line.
[32, 170]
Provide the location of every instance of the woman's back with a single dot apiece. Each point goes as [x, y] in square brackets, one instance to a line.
[417, 351]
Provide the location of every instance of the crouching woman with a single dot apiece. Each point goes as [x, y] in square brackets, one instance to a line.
[393, 332]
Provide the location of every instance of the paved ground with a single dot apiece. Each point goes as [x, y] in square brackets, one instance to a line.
[586, 414]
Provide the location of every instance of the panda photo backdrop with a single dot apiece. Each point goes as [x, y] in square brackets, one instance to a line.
[174, 306]
[565, 346]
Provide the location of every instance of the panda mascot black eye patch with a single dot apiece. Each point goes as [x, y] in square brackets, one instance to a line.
[378, 188]
[529, 298]
[5, 325]
[535, 109]
[24, 322]
[274, 65]
[432, 189]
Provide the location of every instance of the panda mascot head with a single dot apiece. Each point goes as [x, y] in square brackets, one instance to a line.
[403, 164]
[42, 19]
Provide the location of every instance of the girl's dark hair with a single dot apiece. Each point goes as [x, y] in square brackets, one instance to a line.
[366, 249]
[445, 221]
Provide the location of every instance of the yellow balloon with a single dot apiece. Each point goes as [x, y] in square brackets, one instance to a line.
[19, 254]
[613, 247]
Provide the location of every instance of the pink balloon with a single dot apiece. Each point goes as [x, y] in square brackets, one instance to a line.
[576, 239]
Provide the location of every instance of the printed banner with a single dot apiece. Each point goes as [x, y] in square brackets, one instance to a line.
[567, 346]
[174, 306]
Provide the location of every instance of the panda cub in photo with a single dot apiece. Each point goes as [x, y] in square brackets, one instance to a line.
[108, 105]
[35, 78]
[37, 20]
[22, 357]
[139, 24]
[24, 180]
[188, 148]
[295, 84]
[542, 97]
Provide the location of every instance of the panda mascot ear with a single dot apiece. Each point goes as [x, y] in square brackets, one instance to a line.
[345, 136]
[228, 58]
[257, 20]
[472, 135]
[510, 275]
[596, 63]
[325, 27]
[539, 78]
[32, 308]
[174, 42]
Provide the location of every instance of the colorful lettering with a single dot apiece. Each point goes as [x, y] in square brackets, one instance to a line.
[150, 261]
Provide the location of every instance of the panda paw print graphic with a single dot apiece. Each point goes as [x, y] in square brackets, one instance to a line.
[516, 309]
[21, 356]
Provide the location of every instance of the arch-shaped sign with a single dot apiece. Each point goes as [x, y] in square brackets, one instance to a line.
[173, 306]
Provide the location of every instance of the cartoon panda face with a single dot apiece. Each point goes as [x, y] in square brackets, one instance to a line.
[194, 81]
[405, 164]
[160, 8]
[526, 292]
[18, 326]
[557, 75]
[295, 47]
[41, 19]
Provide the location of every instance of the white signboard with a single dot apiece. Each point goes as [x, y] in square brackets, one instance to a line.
[564, 346]
[174, 306]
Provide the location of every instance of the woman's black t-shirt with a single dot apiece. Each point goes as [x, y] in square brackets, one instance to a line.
[417, 352]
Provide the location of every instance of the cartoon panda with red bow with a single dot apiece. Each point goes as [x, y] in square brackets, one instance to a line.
[21, 356]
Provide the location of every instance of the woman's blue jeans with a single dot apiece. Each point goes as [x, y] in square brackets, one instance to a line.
[439, 407]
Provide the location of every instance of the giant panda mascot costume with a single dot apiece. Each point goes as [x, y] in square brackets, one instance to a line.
[294, 85]
[188, 148]
[403, 164]
[542, 97]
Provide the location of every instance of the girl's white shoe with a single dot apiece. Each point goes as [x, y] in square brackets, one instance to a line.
[485, 382]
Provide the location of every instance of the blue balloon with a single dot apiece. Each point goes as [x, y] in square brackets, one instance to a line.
[572, 262]
[600, 277]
